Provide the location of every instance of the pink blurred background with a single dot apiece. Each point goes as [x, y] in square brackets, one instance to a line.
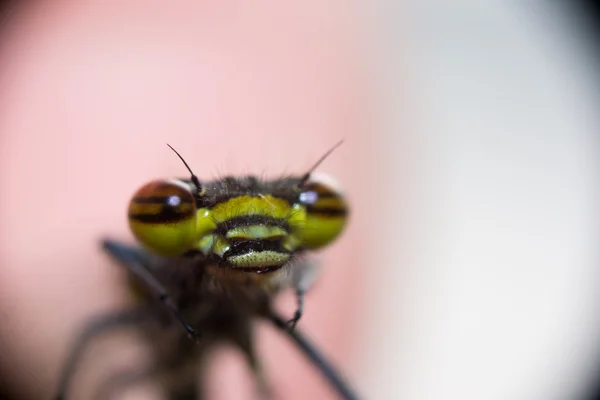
[92, 91]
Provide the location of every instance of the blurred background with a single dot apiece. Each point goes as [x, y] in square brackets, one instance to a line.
[495, 294]
[470, 269]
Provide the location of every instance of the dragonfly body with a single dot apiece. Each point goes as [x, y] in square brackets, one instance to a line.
[213, 257]
[219, 311]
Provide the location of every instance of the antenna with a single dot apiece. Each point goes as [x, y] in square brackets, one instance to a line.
[194, 178]
[306, 176]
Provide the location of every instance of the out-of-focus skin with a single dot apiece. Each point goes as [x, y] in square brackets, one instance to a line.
[92, 91]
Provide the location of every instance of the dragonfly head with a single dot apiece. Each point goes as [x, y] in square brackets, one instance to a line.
[241, 223]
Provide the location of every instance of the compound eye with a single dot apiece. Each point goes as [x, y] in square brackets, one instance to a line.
[162, 216]
[326, 212]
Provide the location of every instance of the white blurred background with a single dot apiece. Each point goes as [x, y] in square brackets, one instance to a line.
[490, 283]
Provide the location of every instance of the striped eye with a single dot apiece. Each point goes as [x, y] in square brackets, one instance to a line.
[162, 216]
[326, 212]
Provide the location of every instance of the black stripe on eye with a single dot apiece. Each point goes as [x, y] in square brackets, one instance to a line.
[164, 217]
[326, 211]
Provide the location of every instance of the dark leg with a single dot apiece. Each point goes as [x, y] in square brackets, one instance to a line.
[243, 337]
[132, 259]
[317, 359]
[263, 389]
[121, 380]
[102, 325]
[186, 392]
[179, 383]
[299, 310]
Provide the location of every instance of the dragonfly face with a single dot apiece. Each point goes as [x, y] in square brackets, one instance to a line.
[216, 253]
[242, 224]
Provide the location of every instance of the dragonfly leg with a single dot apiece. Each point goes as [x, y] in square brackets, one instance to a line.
[179, 381]
[299, 310]
[244, 339]
[184, 392]
[133, 259]
[314, 355]
[97, 327]
[122, 380]
[304, 274]
[263, 388]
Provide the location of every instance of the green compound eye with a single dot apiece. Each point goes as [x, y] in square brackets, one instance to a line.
[162, 216]
[326, 213]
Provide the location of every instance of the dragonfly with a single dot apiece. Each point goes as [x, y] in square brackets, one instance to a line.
[212, 257]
